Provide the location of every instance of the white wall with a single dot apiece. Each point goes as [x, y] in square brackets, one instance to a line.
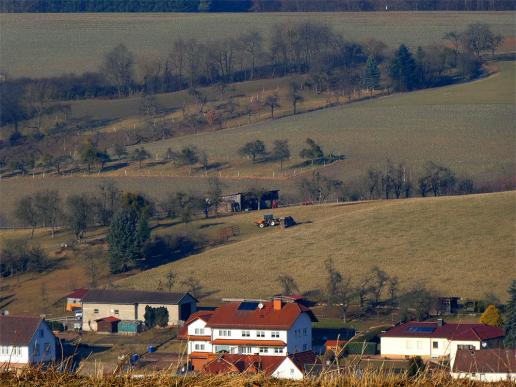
[125, 312]
[302, 341]
[14, 355]
[486, 377]
[405, 346]
[198, 324]
[287, 370]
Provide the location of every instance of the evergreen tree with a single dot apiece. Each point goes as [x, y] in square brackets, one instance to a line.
[402, 70]
[510, 322]
[492, 316]
[371, 75]
[128, 232]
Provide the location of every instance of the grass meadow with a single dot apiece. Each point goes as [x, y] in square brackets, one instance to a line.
[38, 45]
[468, 127]
[461, 246]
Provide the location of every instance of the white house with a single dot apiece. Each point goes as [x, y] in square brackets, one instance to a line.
[249, 328]
[25, 340]
[437, 340]
[489, 365]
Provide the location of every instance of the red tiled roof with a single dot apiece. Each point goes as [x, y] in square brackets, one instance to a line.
[485, 361]
[197, 338]
[199, 355]
[301, 359]
[333, 343]
[203, 315]
[229, 363]
[108, 319]
[17, 330]
[449, 331]
[78, 293]
[230, 316]
[257, 343]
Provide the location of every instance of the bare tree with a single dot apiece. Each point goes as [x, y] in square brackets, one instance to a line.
[377, 283]
[272, 101]
[252, 42]
[294, 94]
[288, 284]
[171, 280]
[27, 212]
[47, 204]
[37, 100]
[91, 263]
[338, 289]
[118, 68]
[193, 286]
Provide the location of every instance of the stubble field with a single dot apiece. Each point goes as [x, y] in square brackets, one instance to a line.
[38, 45]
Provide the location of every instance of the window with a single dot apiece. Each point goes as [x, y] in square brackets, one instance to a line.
[260, 334]
[36, 349]
[408, 344]
[263, 350]
[46, 348]
[199, 331]
[275, 335]
[305, 347]
[419, 344]
[278, 350]
[199, 347]
[4, 350]
[95, 311]
[41, 333]
[304, 332]
[435, 344]
[224, 332]
[466, 346]
[246, 333]
[117, 311]
[245, 350]
[292, 371]
[17, 351]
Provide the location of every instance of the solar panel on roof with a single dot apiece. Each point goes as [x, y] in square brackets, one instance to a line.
[246, 305]
[420, 329]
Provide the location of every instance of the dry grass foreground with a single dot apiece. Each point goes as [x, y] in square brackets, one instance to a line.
[461, 246]
[36, 377]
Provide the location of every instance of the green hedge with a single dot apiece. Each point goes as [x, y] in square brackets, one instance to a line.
[359, 348]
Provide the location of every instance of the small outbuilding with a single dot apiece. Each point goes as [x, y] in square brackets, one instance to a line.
[130, 327]
[249, 201]
[74, 299]
[107, 324]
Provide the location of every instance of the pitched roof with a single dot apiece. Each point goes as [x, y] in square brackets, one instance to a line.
[485, 361]
[111, 296]
[302, 359]
[17, 330]
[108, 319]
[449, 331]
[228, 363]
[202, 315]
[78, 293]
[235, 315]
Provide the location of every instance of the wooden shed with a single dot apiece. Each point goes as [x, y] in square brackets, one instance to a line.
[249, 201]
[107, 324]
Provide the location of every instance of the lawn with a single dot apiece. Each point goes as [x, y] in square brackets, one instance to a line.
[64, 43]
[460, 246]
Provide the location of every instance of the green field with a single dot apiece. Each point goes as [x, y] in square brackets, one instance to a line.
[52, 44]
[468, 127]
[461, 246]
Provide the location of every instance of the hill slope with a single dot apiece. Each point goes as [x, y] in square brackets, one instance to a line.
[461, 246]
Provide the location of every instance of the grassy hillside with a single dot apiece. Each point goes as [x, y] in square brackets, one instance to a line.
[468, 127]
[64, 43]
[460, 246]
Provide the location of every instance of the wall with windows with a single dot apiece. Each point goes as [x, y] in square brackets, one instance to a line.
[14, 354]
[199, 346]
[299, 337]
[250, 334]
[462, 345]
[42, 347]
[92, 312]
[198, 328]
[406, 346]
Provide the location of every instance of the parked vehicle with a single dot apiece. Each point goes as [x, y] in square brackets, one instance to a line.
[268, 220]
[288, 221]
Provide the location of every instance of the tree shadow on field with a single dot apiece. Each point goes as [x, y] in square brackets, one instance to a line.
[211, 225]
[114, 167]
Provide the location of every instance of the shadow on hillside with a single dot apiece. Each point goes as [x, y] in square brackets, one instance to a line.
[211, 225]
[115, 167]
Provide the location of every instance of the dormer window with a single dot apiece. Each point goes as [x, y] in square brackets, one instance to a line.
[199, 331]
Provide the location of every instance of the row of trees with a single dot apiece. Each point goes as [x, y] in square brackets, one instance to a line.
[331, 62]
[251, 5]
[395, 180]
[18, 256]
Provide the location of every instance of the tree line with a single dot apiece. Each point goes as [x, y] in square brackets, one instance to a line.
[328, 61]
[250, 5]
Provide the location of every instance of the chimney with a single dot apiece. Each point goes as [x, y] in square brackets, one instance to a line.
[440, 322]
[277, 304]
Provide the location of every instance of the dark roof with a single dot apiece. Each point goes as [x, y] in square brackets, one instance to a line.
[110, 296]
[110, 319]
[17, 330]
[485, 361]
[246, 315]
[78, 293]
[229, 363]
[447, 330]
